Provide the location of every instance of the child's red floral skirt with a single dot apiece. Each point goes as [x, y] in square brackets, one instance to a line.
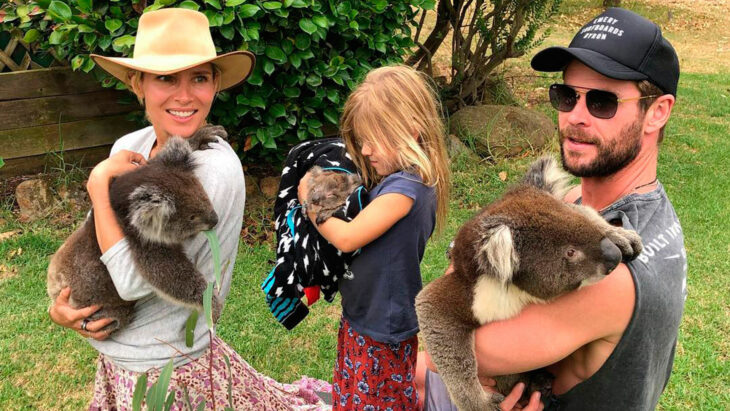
[373, 376]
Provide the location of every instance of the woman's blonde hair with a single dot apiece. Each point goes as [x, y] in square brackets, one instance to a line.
[135, 82]
[391, 106]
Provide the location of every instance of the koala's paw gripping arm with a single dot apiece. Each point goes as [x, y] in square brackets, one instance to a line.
[206, 135]
[628, 241]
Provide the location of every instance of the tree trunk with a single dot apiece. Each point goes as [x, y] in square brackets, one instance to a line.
[436, 37]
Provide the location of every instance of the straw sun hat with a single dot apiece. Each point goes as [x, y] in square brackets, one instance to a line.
[173, 40]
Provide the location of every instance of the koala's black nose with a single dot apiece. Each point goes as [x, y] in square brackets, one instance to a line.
[611, 254]
[213, 219]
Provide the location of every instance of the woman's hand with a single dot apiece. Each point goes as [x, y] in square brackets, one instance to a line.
[118, 164]
[64, 315]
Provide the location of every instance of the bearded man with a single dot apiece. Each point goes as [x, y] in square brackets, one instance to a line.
[610, 346]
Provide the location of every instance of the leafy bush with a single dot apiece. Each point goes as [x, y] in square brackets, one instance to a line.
[310, 53]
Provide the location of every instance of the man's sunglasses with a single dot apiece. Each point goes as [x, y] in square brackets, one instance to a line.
[600, 103]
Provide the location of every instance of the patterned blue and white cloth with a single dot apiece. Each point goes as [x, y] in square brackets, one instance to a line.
[303, 257]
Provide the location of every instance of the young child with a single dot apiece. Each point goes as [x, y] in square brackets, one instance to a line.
[392, 127]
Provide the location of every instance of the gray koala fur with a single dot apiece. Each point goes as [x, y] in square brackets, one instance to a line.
[328, 191]
[529, 246]
[158, 206]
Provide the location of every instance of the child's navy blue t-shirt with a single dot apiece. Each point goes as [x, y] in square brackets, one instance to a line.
[378, 299]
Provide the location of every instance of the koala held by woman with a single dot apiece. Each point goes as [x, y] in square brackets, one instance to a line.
[158, 206]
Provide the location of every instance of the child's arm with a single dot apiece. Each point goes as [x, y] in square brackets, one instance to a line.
[372, 222]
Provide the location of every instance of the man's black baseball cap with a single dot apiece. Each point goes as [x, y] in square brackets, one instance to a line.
[619, 44]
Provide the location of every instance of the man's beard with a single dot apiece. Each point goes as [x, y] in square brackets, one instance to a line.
[611, 156]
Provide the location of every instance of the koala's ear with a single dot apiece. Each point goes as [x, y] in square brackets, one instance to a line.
[150, 208]
[496, 252]
[546, 174]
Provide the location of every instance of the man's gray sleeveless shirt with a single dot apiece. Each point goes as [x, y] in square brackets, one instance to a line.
[637, 371]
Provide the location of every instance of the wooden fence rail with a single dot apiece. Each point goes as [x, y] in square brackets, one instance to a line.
[48, 110]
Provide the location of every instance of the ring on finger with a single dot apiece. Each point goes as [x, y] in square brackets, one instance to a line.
[84, 323]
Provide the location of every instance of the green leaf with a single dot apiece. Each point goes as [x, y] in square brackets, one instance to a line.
[428, 4]
[333, 96]
[215, 250]
[331, 115]
[299, 4]
[214, 18]
[272, 5]
[253, 33]
[256, 79]
[314, 80]
[31, 36]
[201, 406]
[88, 65]
[208, 305]
[379, 5]
[278, 110]
[292, 92]
[233, 3]
[89, 40]
[190, 328]
[190, 5]
[60, 10]
[307, 26]
[228, 32]
[248, 10]
[124, 41]
[83, 28]
[84, 5]
[56, 37]
[354, 25]
[113, 25]
[170, 399]
[275, 53]
[163, 381]
[295, 60]
[105, 42]
[139, 390]
[257, 101]
[268, 67]
[321, 21]
[302, 41]
[214, 3]
[76, 62]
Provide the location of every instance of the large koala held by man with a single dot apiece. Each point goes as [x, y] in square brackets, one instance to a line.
[158, 206]
[529, 246]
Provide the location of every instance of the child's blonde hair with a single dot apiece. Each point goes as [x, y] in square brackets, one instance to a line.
[387, 110]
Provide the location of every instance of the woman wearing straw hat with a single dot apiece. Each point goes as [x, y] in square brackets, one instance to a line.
[175, 74]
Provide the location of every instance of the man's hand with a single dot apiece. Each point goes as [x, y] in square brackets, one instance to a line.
[510, 402]
[64, 315]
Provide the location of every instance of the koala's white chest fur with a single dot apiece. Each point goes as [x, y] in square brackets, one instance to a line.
[495, 301]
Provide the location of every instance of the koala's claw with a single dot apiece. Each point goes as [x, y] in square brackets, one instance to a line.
[628, 241]
[206, 135]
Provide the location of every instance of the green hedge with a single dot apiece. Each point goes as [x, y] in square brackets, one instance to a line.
[310, 53]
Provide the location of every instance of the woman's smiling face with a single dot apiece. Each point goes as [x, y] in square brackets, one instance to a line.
[177, 104]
